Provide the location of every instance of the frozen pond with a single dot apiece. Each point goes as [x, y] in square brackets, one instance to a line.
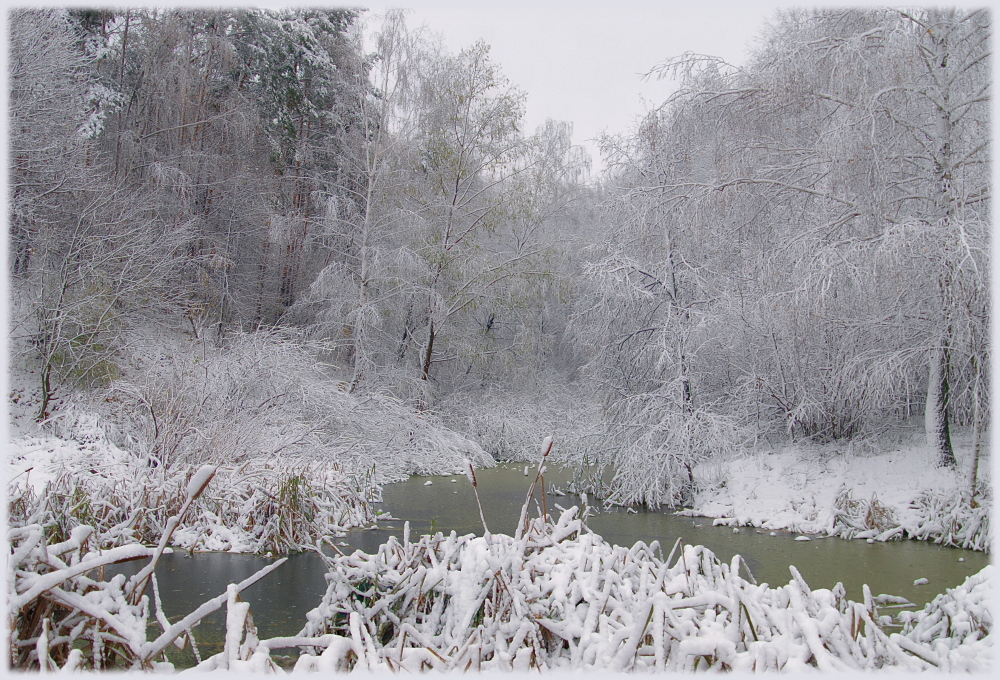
[280, 601]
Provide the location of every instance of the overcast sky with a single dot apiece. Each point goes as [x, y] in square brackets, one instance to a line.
[583, 61]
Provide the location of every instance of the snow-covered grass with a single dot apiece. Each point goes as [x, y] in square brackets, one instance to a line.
[900, 493]
[255, 506]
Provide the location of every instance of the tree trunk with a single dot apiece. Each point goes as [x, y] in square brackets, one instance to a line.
[977, 426]
[936, 410]
[428, 353]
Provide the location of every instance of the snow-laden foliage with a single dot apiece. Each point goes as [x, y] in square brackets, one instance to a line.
[654, 449]
[255, 506]
[509, 426]
[562, 598]
[268, 394]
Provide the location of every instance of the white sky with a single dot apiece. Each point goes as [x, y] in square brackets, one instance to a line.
[583, 61]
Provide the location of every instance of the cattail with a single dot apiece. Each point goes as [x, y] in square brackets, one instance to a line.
[470, 471]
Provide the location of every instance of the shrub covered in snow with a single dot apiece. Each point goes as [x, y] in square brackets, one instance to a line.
[509, 427]
[268, 394]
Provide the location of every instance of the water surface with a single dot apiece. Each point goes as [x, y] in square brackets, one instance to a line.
[280, 601]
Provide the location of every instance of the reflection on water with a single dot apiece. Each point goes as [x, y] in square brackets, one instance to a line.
[280, 601]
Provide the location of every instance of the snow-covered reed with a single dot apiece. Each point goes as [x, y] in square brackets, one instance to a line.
[562, 598]
[951, 519]
[558, 598]
[951, 630]
[63, 614]
[258, 506]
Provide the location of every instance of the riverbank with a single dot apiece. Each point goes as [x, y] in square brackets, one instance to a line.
[899, 493]
[261, 506]
[850, 493]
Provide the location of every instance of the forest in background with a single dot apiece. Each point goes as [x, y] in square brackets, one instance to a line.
[238, 234]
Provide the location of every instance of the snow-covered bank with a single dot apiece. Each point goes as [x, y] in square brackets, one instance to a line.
[878, 496]
[256, 506]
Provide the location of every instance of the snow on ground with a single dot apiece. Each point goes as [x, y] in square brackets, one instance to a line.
[797, 488]
[36, 460]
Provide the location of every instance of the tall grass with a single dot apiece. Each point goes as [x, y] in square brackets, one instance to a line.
[256, 506]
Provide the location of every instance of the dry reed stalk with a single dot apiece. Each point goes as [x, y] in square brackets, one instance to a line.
[561, 598]
[521, 522]
[470, 472]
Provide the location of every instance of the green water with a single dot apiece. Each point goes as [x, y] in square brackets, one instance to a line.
[280, 601]
[889, 568]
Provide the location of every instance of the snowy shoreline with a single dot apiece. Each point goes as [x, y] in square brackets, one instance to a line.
[884, 496]
[873, 496]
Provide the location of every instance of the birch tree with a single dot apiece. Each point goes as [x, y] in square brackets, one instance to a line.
[943, 186]
[829, 204]
[469, 147]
